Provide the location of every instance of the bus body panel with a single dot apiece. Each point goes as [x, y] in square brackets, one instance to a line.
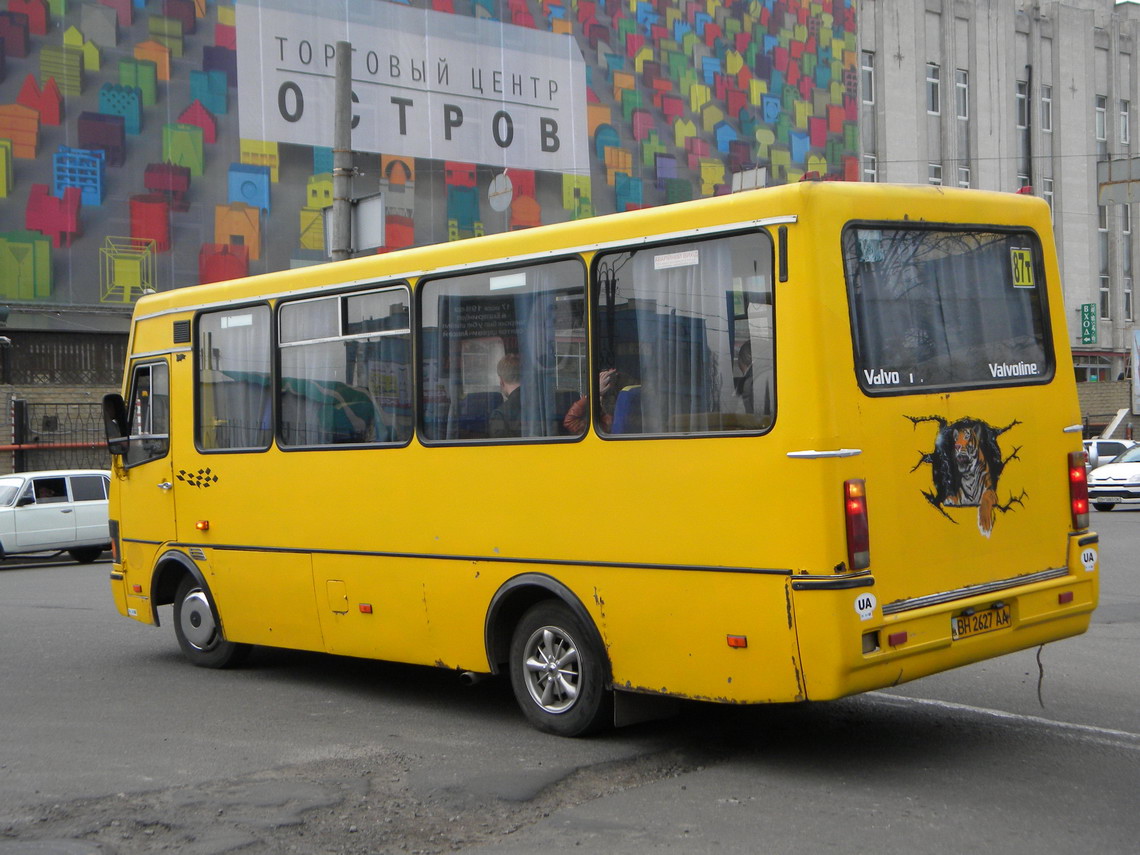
[143, 494]
[279, 586]
[671, 545]
[895, 434]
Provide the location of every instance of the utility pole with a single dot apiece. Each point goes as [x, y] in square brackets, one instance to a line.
[341, 243]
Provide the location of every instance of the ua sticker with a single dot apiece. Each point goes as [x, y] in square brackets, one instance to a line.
[1088, 558]
[865, 606]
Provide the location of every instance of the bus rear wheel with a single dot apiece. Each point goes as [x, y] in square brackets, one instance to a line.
[558, 672]
[198, 632]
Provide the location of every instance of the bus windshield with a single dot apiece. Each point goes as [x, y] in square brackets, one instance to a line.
[935, 308]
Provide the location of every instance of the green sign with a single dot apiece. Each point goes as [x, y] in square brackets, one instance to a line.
[1088, 323]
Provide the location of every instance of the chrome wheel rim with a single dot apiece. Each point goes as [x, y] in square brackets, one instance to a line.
[197, 621]
[552, 669]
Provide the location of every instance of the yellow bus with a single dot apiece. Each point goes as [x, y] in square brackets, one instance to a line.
[787, 444]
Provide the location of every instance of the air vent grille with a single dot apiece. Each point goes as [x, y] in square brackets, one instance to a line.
[181, 332]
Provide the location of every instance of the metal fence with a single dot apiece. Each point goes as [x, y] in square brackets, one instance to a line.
[41, 359]
[57, 436]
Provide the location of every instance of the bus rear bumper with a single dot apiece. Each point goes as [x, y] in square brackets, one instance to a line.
[856, 655]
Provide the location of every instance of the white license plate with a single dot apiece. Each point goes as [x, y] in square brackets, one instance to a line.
[1106, 500]
[977, 623]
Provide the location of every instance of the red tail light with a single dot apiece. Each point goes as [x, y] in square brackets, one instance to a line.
[855, 514]
[1079, 489]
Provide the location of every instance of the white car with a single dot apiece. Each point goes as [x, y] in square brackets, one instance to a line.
[1101, 451]
[1117, 482]
[60, 510]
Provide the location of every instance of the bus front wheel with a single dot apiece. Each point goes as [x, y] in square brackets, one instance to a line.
[198, 632]
[558, 672]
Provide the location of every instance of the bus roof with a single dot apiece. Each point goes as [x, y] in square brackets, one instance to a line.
[751, 207]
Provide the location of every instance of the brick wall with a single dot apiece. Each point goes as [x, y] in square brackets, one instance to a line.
[1101, 401]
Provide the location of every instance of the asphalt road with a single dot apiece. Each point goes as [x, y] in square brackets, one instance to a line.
[111, 743]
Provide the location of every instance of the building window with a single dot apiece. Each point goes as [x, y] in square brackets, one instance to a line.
[1125, 117]
[934, 173]
[1022, 180]
[1091, 368]
[1126, 230]
[962, 93]
[1101, 125]
[1023, 142]
[1105, 299]
[1128, 298]
[868, 77]
[1047, 109]
[870, 168]
[1102, 237]
[933, 89]
[1047, 193]
[963, 176]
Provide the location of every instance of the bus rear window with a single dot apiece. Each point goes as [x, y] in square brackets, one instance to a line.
[936, 308]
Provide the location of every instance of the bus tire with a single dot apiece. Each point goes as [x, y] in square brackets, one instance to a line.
[197, 629]
[558, 672]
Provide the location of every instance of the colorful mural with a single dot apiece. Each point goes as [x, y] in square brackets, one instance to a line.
[150, 144]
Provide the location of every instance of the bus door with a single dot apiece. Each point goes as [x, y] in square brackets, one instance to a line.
[146, 491]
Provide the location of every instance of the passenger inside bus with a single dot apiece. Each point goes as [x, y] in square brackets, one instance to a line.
[506, 419]
[610, 384]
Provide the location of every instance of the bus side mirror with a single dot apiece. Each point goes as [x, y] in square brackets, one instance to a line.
[115, 423]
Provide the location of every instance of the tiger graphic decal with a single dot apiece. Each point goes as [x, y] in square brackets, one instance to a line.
[966, 464]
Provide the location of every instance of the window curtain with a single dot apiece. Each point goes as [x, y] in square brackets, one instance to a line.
[234, 375]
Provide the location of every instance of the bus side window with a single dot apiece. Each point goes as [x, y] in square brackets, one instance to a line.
[232, 372]
[688, 327]
[345, 369]
[502, 353]
[148, 412]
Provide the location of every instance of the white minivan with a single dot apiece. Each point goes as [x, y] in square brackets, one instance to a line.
[59, 510]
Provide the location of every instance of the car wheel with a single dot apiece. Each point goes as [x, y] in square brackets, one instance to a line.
[558, 672]
[85, 555]
[198, 632]
[1103, 506]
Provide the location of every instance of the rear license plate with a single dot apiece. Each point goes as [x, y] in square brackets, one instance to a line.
[966, 625]
[1106, 500]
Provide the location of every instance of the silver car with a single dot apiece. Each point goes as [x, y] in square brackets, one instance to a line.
[1116, 483]
[59, 510]
[1101, 451]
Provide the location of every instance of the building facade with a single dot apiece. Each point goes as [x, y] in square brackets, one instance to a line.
[154, 144]
[1029, 94]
